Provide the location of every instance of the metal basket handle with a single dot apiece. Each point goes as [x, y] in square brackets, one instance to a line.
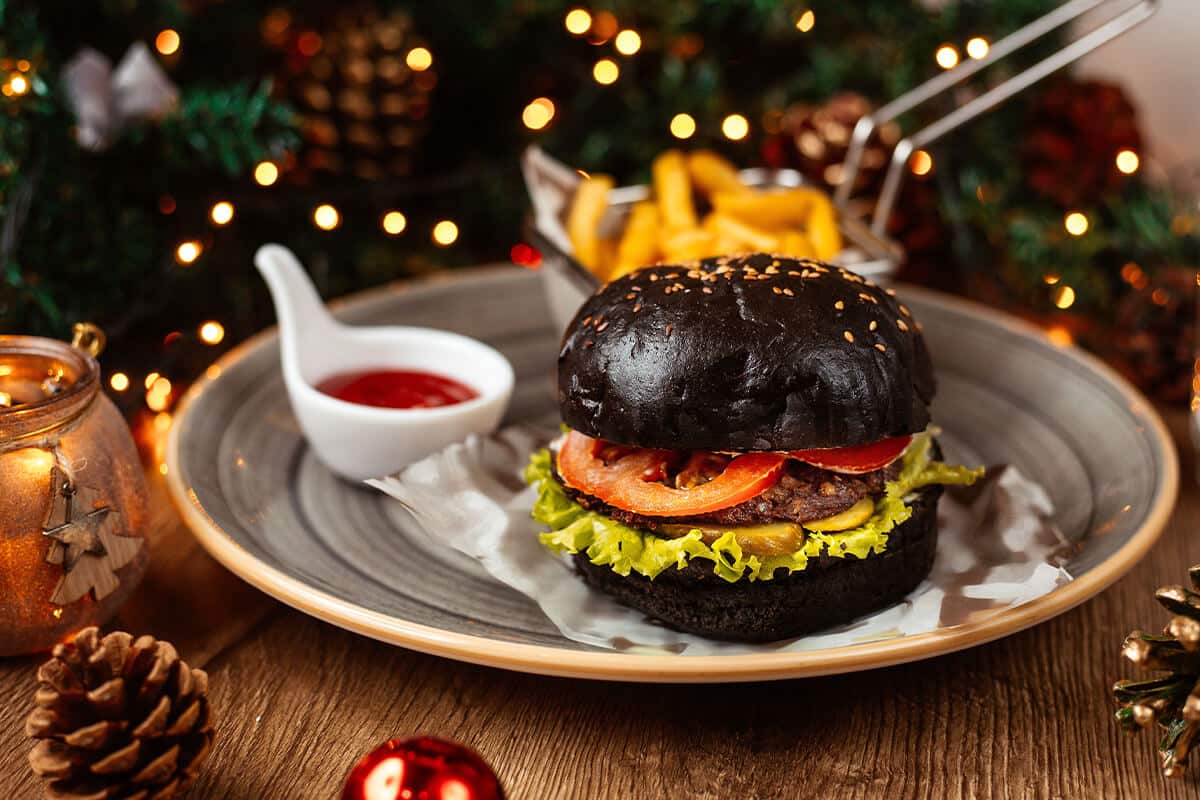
[939, 84]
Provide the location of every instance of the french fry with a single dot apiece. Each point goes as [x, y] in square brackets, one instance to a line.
[746, 236]
[583, 219]
[606, 259]
[673, 191]
[689, 244]
[823, 230]
[796, 244]
[712, 174]
[639, 241]
[788, 208]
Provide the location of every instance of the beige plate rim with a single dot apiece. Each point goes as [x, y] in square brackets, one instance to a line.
[603, 665]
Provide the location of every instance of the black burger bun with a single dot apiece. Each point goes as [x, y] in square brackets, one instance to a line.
[830, 591]
[755, 352]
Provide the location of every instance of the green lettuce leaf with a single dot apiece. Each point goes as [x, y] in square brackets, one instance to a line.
[625, 549]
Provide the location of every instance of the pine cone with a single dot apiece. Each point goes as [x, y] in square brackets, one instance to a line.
[1170, 701]
[1073, 134]
[118, 719]
[363, 109]
[815, 140]
[1154, 331]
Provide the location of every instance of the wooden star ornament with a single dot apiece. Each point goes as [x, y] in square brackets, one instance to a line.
[84, 542]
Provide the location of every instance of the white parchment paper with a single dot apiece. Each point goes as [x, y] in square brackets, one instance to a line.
[997, 548]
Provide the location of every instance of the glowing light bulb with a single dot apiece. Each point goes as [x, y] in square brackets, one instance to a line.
[212, 332]
[326, 217]
[394, 223]
[445, 233]
[805, 22]
[578, 20]
[1128, 162]
[538, 113]
[977, 47]
[682, 126]
[419, 59]
[1064, 297]
[1075, 223]
[221, 213]
[266, 173]
[606, 71]
[735, 127]
[188, 252]
[167, 42]
[946, 56]
[628, 42]
[18, 84]
[119, 381]
[921, 163]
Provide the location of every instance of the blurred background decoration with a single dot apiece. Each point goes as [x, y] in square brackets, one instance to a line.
[381, 139]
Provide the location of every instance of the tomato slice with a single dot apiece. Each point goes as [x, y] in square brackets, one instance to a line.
[855, 460]
[627, 481]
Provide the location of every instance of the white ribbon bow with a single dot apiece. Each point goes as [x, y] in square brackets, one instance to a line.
[105, 100]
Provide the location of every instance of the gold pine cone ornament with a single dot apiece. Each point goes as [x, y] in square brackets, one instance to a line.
[1170, 701]
[119, 718]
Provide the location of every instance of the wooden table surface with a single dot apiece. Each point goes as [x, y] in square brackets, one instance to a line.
[297, 701]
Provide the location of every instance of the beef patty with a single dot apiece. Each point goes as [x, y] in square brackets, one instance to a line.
[803, 493]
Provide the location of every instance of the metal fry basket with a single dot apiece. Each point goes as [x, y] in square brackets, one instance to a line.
[869, 251]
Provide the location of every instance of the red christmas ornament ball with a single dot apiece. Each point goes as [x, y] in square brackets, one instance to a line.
[423, 768]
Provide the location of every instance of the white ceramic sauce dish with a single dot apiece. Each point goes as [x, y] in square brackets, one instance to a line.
[358, 441]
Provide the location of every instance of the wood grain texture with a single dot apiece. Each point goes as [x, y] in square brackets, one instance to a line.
[297, 701]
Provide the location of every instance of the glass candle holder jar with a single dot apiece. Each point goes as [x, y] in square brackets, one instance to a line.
[72, 494]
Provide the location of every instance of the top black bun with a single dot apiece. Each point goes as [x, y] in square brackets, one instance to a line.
[756, 352]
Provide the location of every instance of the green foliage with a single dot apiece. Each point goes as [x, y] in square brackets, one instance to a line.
[231, 127]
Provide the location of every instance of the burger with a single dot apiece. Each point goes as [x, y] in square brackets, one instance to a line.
[747, 451]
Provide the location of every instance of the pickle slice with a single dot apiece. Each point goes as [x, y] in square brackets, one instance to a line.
[776, 538]
[772, 539]
[852, 517]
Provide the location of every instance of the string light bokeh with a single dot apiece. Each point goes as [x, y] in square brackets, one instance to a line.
[1076, 223]
[628, 42]
[167, 42]
[1127, 162]
[606, 71]
[221, 213]
[266, 173]
[921, 163]
[445, 233]
[326, 217]
[735, 127]
[578, 21]
[187, 252]
[394, 223]
[683, 126]
[538, 113]
[946, 56]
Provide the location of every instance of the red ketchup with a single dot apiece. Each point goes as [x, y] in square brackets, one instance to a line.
[396, 388]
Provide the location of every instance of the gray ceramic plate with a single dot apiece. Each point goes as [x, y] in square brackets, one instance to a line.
[262, 505]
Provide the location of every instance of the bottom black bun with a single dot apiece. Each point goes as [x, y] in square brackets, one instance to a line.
[829, 592]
